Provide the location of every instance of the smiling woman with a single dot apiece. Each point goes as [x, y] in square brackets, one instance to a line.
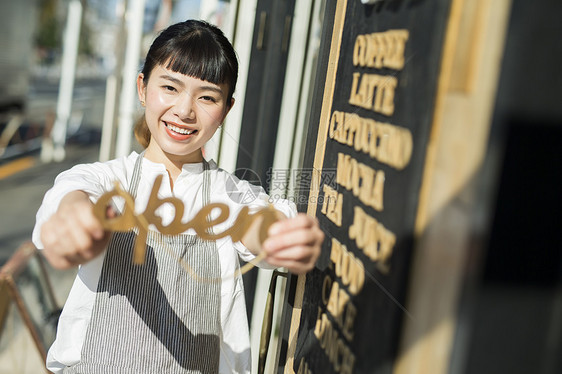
[182, 113]
[150, 315]
[196, 53]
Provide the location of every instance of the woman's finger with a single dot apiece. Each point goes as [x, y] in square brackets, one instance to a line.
[301, 253]
[300, 221]
[287, 239]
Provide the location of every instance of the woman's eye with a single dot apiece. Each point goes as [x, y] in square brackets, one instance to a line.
[169, 88]
[209, 98]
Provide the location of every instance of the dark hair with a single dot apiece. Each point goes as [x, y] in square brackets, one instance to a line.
[194, 48]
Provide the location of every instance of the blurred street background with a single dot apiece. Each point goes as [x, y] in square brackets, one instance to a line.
[57, 57]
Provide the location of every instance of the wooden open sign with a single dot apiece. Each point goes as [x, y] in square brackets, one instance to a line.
[202, 223]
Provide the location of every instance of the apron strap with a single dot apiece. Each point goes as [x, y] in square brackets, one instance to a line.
[135, 179]
[206, 183]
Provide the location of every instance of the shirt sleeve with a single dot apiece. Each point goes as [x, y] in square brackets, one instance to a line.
[89, 178]
[255, 198]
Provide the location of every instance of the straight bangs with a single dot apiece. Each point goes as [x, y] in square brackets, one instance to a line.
[197, 55]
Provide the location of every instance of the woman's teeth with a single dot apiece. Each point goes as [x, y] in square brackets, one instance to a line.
[180, 130]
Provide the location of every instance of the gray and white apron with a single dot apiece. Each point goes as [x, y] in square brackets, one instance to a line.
[155, 318]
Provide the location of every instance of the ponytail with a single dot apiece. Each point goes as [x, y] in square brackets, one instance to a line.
[141, 131]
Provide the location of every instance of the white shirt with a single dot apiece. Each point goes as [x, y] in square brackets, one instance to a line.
[98, 178]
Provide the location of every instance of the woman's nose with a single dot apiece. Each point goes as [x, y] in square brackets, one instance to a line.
[184, 106]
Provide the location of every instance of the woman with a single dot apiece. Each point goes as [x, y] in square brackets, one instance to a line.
[156, 318]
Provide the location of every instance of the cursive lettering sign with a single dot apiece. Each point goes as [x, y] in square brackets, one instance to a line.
[203, 223]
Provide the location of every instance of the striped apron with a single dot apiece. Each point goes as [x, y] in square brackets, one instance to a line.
[155, 318]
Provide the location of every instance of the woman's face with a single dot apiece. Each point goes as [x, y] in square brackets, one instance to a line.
[182, 114]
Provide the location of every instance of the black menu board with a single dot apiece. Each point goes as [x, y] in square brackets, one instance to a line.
[370, 125]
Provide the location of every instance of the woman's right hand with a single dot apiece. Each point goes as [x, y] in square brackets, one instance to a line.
[73, 235]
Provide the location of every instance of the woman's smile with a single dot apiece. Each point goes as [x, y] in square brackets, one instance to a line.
[179, 132]
[178, 129]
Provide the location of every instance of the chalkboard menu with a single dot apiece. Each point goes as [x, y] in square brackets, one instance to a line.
[367, 140]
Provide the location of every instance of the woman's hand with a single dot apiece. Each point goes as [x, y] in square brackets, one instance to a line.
[73, 235]
[294, 243]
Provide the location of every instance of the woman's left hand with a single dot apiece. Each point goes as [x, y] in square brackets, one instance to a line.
[294, 243]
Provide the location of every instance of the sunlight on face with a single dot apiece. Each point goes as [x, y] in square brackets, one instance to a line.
[182, 114]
